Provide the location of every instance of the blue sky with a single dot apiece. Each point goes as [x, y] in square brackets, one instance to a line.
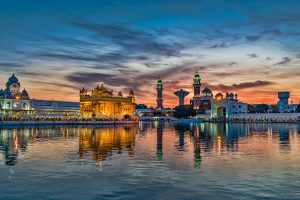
[248, 47]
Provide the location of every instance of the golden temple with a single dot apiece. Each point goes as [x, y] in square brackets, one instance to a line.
[102, 104]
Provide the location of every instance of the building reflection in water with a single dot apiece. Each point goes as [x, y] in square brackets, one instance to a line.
[181, 130]
[193, 131]
[101, 143]
[14, 141]
[197, 148]
[10, 145]
[222, 137]
[159, 138]
[283, 131]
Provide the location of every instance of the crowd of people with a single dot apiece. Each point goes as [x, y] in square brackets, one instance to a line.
[22, 119]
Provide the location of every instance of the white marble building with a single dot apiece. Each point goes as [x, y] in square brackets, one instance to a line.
[223, 108]
[12, 98]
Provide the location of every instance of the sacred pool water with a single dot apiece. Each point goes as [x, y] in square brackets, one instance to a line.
[151, 161]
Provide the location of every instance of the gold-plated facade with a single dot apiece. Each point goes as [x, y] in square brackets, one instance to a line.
[102, 104]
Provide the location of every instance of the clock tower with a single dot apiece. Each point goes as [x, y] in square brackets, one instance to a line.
[13, 87]
[12, 98]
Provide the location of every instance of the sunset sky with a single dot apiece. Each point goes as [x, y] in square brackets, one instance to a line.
[247, 47]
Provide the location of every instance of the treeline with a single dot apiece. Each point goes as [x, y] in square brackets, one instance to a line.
[184, 112]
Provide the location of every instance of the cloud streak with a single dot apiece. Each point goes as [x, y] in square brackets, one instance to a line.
[241, 86]
[285, 60]
[131, 40]
[252, 55]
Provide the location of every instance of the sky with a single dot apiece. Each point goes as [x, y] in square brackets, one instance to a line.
[247, 47]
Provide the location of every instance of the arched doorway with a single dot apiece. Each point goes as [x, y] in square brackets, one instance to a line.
[221, 112]
[126, 117]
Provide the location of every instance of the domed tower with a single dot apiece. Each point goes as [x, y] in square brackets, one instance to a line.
[83, 92]
[12, 79]
[206, 97]
[24, 94]
[159, 89]
[219, 96]
[101, 91]
[12, 87]
[120, 94]
[131, 95]
[206, 94]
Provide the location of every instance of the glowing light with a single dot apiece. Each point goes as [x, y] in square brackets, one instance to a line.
[219, 140]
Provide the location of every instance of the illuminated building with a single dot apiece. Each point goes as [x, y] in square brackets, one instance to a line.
[206, 97]
[103, 104]
[12, 98]
[196, 101]
[52, 109]
[222, 108]
[17, 103]
[53, 105]
[218, 107]
[201, 100]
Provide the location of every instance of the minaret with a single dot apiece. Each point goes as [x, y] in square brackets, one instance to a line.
[83, 91]
[159, 89]
[120, 94]
[196, 101]
[131, 95]
[197, 84]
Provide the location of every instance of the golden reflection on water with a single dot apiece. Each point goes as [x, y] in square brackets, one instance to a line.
[100, 143]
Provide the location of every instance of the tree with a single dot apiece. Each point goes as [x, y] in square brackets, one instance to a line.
[184, 112]
[251, 109]
[274, 109]
[298, 108]
[141, 106]
[261, 108]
